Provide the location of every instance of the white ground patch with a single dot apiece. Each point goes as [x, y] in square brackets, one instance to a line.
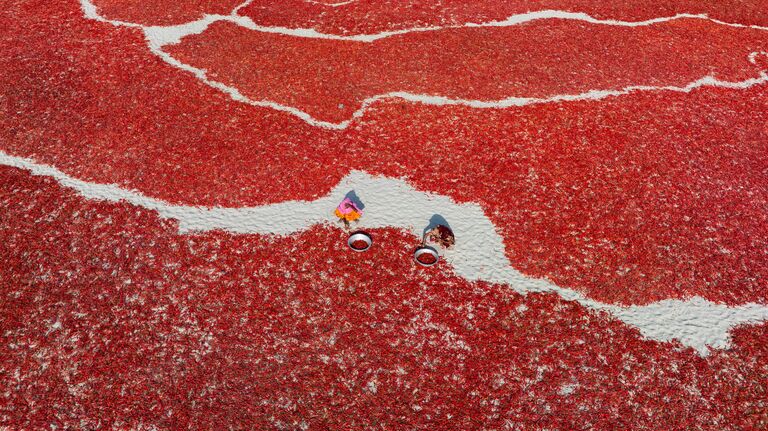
[478, 254]
[160, 36]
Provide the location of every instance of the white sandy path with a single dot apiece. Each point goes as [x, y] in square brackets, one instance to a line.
[160, 36]
[478, 254]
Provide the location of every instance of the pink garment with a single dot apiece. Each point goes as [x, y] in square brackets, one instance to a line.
[347, 206]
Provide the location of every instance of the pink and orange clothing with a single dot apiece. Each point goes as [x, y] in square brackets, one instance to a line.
[348, 211]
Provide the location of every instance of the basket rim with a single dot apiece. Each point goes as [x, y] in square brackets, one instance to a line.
[360, 236]
[426, 249]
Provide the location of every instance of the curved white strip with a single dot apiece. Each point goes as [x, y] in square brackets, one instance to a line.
[163, 35]
[235, 94]
[478, 254]
[343, 3]
[237, 8]
[159, 36]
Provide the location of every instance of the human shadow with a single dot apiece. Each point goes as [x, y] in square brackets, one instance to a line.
[351, 195]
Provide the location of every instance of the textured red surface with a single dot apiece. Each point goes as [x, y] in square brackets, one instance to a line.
[427, 259]
[110, 319]
[630, 199]
[371, 16]
[116, 321]
[163, 12]
[330, 79]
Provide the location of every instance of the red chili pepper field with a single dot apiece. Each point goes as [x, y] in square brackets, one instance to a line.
[169, 256]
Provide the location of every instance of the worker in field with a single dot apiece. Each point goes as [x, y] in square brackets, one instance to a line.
[440, 235]
[348, 211]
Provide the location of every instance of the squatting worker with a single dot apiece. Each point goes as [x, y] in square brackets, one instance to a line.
[441, 235]
[347, 211]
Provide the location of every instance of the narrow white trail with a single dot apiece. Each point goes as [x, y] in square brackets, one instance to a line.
[343, 3]
[160, 36]
[478, 254]
[163, 35]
